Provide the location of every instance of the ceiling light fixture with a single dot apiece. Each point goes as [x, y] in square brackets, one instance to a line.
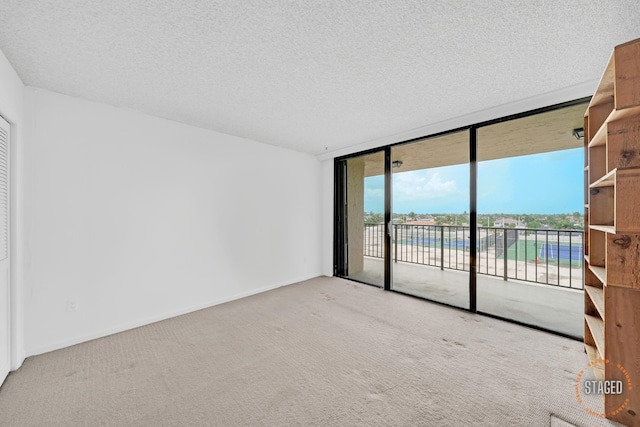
[578, 133]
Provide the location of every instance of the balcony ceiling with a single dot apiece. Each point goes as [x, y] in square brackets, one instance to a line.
[540, 133]
[315, 77]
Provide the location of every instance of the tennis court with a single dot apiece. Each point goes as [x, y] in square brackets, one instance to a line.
[560, 252]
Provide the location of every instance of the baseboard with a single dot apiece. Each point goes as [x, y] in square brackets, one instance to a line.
[136, 324]
[17, 359]
[4, 371]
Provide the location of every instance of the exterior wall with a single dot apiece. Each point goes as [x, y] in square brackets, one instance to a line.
[355, 213]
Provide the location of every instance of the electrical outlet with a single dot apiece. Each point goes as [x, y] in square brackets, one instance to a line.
[72, 305]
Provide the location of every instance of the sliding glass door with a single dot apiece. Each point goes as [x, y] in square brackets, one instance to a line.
[530, 224]
[430, 233]
[487, 218]
[362, 212]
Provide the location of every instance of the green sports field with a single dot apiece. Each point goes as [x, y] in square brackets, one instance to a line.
[529, 251]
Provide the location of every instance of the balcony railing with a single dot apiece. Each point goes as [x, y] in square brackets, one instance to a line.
[549, 257]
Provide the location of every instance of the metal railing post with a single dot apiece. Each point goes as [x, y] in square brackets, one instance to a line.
[570, 258]
[495, 232]
[546, 248]
[558, 255]
[504, 251]
[442, 247]
[516, 243]
[526, 257]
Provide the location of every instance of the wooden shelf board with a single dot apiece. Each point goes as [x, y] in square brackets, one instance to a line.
[605, 228]
[600, 138]
[600, 272]
[625, 113]
[597, 298]
[596, 326]
[607, 180]
[598, 369]
[586, 258]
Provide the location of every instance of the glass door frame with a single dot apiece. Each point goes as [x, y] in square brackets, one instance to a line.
[340, 228]
[340, 200]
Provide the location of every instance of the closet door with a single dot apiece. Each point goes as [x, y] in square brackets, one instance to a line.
[5, 337]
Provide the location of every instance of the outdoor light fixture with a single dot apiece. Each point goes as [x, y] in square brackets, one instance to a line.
[578, 133]
[396, 163]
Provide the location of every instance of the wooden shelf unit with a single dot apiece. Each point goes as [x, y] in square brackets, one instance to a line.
[612, 235]
[609, 216]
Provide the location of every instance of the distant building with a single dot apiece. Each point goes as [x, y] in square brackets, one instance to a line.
[431, 222]
[508, 222]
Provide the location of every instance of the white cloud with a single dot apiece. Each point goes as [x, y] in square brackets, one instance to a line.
[374, 193]
[420, 185]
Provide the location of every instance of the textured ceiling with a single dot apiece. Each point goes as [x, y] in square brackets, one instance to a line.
[311, 76]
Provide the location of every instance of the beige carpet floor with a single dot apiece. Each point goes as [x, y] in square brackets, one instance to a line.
[325, 352]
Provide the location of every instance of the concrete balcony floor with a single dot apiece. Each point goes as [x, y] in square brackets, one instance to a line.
[555, 308]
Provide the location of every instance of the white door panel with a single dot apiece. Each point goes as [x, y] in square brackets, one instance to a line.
[5, 337]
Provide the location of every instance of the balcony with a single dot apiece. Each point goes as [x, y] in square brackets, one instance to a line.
[533, 276]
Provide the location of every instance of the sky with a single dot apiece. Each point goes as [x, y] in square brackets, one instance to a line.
[545, 183]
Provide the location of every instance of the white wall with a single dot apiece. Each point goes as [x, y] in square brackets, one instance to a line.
[137, 218]
[12, 109]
